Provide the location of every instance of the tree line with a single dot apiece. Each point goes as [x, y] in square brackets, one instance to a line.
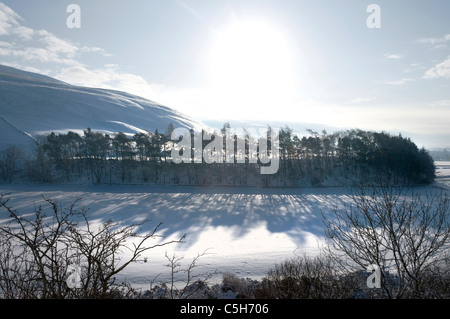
[347, 157]
[440, 154]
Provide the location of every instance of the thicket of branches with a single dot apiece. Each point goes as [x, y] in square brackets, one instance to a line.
[38, 252]
[351, 157]
[406, 235]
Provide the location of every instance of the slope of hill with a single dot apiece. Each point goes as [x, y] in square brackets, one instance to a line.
[33, 104]
[12, 136]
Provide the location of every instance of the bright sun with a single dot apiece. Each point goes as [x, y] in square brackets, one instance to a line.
[251, 59]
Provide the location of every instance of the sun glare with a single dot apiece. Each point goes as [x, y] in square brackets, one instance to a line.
[250, 60]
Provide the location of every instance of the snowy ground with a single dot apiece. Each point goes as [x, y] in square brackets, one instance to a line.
[246, 230]
[443, 174]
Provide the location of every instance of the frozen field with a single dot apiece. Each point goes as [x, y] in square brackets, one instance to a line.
[245, 230]
[443, 174]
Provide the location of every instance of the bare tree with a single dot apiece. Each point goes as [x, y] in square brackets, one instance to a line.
[37, 250]
[405, 234]
[9, 160]
[191, 284]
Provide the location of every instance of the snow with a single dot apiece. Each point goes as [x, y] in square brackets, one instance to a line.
[244, 231]
[34, 104]
[443, 174]
[12, 136]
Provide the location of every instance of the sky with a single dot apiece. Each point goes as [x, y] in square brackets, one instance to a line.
[330, 62]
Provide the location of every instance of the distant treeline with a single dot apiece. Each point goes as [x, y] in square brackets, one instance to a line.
[442, 154]
[344, 158]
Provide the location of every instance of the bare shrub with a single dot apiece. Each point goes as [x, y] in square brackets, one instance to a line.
[405, 234]
[189, 285]
[36, 250]
[306, 278]
[244, 288]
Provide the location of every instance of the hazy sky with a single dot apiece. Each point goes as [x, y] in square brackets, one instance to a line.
[278, 60]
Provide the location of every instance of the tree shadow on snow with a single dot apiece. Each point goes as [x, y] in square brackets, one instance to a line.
[188, 210]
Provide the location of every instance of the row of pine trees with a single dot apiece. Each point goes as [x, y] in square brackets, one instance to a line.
[348, 157]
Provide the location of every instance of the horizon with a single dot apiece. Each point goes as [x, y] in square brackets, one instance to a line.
[261, 61]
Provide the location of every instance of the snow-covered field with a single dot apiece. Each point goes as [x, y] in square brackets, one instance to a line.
[244, 230]
[443, 174]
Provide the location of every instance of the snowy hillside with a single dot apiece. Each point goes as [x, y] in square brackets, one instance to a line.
[32, 104]
[11, 135]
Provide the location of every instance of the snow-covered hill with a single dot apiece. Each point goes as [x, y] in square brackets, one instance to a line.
[33, 104]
